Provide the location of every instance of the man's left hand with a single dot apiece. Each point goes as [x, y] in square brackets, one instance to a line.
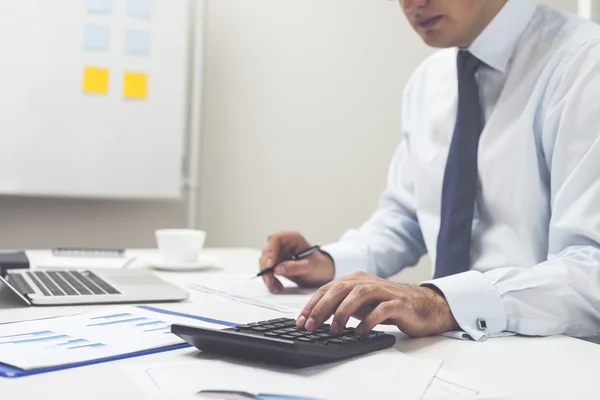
[416, 311]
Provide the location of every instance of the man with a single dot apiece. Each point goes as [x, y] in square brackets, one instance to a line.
[497, 178]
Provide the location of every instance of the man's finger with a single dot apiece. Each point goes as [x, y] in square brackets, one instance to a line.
[359, 296]
[272, 283]
[327, 305]
[270, 253]
[362, 312]
[380, 314]
[291, 269]
[303, 317]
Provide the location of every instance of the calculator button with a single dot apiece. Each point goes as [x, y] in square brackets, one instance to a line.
[271, 334]
[288, 337]
[325, 335]
[348, 331]
[305, 340]
[269, 326]
[296, 334]
[280, 331]
[313, 337]
[259, 329]
[294, 329]
[244, 326]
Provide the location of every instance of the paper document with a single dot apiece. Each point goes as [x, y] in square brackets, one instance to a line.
[387, 374]
[90, 336]
[241, 288]
[449, 386]
[59, 262]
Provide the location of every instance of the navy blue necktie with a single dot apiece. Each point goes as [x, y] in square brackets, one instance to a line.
[460, 178]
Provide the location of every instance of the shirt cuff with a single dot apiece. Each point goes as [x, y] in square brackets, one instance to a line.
[474, 303]
[347, 258]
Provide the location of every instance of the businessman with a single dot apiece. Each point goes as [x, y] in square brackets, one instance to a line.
[497, 178]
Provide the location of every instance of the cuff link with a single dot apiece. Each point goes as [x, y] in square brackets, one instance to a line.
[481, 324]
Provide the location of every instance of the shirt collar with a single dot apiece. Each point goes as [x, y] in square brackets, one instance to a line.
[496, 44]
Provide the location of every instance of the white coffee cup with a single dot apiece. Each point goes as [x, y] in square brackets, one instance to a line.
[180, 245]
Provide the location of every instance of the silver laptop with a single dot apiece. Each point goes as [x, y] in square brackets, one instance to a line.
[48, 288]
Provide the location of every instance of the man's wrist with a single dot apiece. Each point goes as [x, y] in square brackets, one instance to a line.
[442, 315]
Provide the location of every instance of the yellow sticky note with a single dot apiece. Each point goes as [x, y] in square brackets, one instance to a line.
[134, 85]
[95, 80]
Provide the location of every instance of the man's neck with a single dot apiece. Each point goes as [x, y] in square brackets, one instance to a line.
[492, 9]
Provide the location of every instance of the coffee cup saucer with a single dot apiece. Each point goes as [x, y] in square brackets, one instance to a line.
[204, 261]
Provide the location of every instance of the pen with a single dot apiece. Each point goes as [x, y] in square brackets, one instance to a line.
[298, 256]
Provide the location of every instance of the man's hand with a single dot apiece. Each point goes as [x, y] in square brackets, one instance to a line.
[312, 271]
[416, 311]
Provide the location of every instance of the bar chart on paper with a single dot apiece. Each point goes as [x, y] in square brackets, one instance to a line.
[131, 321]
[46, 340]
[91, 336]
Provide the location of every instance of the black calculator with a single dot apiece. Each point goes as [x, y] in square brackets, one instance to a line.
[280, 341]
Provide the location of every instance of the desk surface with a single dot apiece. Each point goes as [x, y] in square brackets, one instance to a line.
[519, 367]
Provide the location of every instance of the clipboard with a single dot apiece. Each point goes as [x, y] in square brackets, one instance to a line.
[8, 371]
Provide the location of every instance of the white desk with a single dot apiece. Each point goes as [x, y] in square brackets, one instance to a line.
[522, 368]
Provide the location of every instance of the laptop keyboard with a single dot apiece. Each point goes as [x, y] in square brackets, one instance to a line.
[65, 283]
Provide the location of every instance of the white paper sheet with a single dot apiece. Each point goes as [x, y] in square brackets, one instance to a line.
[99, 6]
[96, 37]
[449, 386]
[386, 374]
[139, 9]
[137, 43]
[90, 336]
[241, 288]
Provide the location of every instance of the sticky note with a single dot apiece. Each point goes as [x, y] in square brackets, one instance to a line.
[96, 37]
[99, 6]
[139, 9]
[134, 85]
[95, 80]
[137, 43]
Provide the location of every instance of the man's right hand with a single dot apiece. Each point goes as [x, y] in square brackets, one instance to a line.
[312, 271]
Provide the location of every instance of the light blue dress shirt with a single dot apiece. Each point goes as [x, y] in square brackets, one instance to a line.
[536, 232]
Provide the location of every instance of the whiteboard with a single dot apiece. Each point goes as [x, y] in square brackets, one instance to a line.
[56, 140]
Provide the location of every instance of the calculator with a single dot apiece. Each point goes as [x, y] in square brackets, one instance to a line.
[280, 341]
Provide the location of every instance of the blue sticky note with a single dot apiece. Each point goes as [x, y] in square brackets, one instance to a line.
[96, 37]
[139, 9]
[99, 6]
[137, 43]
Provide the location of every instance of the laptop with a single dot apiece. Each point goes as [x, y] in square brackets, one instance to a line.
[89, 286]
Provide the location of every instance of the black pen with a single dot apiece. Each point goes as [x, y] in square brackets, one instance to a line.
[295, 257]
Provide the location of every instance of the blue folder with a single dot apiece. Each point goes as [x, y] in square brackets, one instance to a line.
[9, 371]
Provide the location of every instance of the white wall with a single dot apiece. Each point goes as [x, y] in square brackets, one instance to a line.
[302, 115]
